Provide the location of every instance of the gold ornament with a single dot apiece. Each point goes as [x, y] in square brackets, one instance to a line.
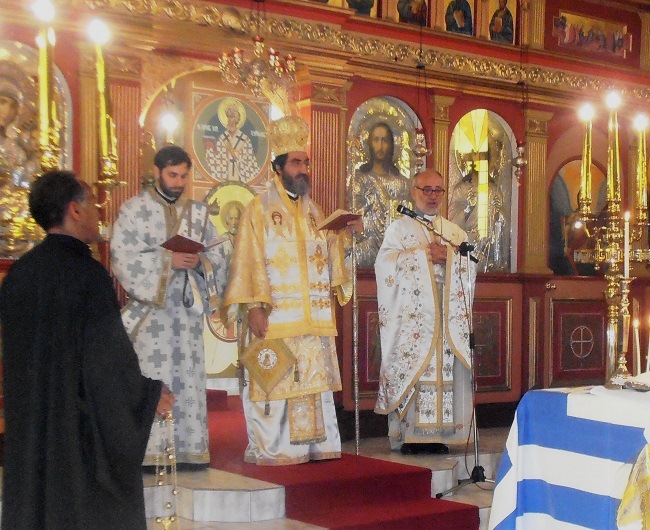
[290, 133]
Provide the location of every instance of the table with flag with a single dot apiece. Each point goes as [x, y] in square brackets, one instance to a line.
[568, 461]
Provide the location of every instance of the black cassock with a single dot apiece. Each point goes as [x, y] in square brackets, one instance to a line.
[78, 411]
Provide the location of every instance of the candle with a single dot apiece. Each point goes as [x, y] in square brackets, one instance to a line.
[626, 246]
[586, 114]
[641, 168]
[101, 90]
[647, 355]
[637, 347]
[613, 155]
[45, 42]
[100, 34]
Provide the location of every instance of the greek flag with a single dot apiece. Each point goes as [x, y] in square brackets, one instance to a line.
[568, 458]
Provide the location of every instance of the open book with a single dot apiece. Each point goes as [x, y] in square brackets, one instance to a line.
[338, 220]
[180, 243]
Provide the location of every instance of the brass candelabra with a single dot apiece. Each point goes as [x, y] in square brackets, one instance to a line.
[611, 235]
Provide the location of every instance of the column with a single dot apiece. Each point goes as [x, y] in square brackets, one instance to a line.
[323, 89]
[531, 23]
[441, 125]
[534, 258]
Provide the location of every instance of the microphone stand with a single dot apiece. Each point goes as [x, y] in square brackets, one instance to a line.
[478, 473]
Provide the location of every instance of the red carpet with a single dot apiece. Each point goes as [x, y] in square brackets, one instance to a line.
[351, 492]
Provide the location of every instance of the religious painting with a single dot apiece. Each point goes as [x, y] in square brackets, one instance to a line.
[579, 346]
[380, 162]
[491, 319]
[481, 187]
[566, 236]
[229, 138]
[362, 7]
[577, 32]
[459, 18]
[226, 204]
[502, 22]
[413, 12]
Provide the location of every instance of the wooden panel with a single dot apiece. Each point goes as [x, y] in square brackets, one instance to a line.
[578, 339]
[369, 351]
[575, 316]
[497, 320]
[492, 348]
[369, 348]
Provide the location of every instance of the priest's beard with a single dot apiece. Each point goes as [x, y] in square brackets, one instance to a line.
[298, 184]
[171, 193]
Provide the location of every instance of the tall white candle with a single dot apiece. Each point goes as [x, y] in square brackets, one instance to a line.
[647, 355]
[637, 348]
[626, 246]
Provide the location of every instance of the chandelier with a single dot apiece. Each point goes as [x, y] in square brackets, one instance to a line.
[419, 147]
[264, 72]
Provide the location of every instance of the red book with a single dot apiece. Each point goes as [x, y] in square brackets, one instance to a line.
[338, 220]
[180, 243]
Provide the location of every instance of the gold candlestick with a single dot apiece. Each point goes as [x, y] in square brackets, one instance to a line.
[100, 67]
[48, 126]
[584, 202]
[108, 159]
[100, 34]
[621, 373]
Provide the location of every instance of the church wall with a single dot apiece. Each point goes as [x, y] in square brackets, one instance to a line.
[335, 77]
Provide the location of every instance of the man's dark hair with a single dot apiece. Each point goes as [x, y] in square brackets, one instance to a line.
[171, 155]
[279, 162]
[50, 196]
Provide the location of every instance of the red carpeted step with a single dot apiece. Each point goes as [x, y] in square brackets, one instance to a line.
[350, 492]
[389, 515]
[352, 481]
[217, 400]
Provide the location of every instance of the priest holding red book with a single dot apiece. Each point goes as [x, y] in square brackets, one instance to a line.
[167, 255]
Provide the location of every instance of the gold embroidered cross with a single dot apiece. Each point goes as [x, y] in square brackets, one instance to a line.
[319, 259]
[281, 261]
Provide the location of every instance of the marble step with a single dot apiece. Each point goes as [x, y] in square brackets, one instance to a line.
[217, 499]
[214, 495]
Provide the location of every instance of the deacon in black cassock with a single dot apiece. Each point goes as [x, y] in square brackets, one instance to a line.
[78, 411]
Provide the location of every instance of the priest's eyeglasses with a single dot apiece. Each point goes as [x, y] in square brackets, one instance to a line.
[428, 191]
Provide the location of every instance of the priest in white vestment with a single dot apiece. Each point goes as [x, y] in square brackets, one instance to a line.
[423, 293]
[285, 277]
[170, 293]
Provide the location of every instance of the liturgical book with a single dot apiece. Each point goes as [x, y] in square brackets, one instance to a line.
[180, 243]
[338, 220]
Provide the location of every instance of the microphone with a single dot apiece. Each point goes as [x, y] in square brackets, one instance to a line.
[465, 249]
[407, 211]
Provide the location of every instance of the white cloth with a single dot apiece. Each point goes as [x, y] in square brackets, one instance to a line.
[167, 335]
[424, 329]
[269, 441]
